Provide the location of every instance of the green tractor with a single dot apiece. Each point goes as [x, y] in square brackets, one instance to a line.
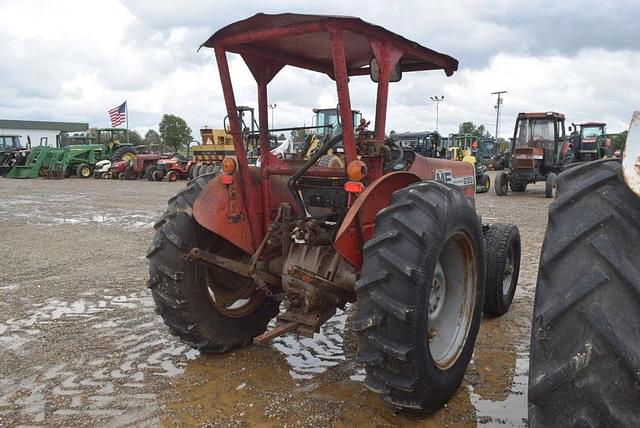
[464, 147]
[11, 153]
[77, 155]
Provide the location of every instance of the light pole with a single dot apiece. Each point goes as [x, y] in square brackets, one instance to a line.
[437, 99]
[499, 94]
[272, 107]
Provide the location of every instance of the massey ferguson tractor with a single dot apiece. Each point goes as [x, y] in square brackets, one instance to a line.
[585, 338]
[539, 152]
[394, 231]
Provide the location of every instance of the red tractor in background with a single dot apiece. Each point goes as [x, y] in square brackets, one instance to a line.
[140, 166]
[388, 228]
[172, 169]
[539, 152]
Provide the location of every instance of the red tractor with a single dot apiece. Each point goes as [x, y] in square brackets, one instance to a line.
[172, 169]
[140, 166]
[291, 239]
[540, 150]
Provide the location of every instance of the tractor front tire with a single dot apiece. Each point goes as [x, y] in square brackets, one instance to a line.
[483, 184]
[148, 172]
[585, 341]
[501, 185]
[83, 170]
[181, 288]
[420, 296]
[550, 185]
[172, 176]
[502, 243]
[157, 175]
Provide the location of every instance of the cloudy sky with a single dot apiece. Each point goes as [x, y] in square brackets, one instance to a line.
[73, 60]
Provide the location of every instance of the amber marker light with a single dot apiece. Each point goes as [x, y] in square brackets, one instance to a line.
[356, 170]
[229, 166]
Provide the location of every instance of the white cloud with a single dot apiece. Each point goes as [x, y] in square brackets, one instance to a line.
[73, 60]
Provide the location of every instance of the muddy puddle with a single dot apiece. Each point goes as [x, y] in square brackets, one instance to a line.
[316, 382]
[55, 211]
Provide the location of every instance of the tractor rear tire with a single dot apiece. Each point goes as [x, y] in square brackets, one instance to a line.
[501, 184]
[518, 186]
[83, 170]
[585, 340]
[502, 243]
[423, 277]
[179, 288]
[550, 185]
[126, 152]
[148, 172]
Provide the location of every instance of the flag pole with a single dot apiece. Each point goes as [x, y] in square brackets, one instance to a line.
[126, 115]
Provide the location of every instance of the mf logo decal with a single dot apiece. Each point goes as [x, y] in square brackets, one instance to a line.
[446, 176]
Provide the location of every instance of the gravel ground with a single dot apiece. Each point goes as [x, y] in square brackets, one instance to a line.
[80, 344]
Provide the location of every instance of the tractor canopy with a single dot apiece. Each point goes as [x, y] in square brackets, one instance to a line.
[340, 47]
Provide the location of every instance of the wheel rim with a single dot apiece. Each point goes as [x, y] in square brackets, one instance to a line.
[127, 156]
[452, 301]
[85, 171]
[508, 272]
[233, 295]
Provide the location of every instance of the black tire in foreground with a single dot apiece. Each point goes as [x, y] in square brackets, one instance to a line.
[187, 295]
[585, 338]
[501, 185]
[502, 243]
[420, 296]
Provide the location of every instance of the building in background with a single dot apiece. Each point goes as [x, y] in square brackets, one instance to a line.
[39, 132]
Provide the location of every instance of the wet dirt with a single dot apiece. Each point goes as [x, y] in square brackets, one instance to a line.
[80, 344]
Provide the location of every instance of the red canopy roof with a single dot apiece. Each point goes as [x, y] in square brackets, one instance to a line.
[304, 41]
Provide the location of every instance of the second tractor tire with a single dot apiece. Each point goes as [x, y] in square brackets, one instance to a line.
[502, 242]
[427, 249]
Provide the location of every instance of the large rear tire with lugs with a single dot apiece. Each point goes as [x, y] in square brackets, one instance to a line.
[585, 338]
[211, 309]
[420, 296]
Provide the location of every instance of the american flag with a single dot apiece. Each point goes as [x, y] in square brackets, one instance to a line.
[118, 115]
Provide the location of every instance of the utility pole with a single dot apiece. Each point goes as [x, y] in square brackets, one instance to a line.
[497, 107]
[272, 107]
[437, 99]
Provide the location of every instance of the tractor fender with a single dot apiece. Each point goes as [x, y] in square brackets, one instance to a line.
[359, 223]
[220, 208]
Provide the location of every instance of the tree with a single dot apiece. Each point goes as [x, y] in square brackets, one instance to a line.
[618, 140]
[174, 132]
[135, 138]
[151, 137]
[470, 128]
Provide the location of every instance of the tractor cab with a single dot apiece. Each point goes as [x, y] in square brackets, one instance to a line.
[427, 143]
[539, 151]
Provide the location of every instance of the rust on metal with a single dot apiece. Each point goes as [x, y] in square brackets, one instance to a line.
[631, 157]
[269, 335]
